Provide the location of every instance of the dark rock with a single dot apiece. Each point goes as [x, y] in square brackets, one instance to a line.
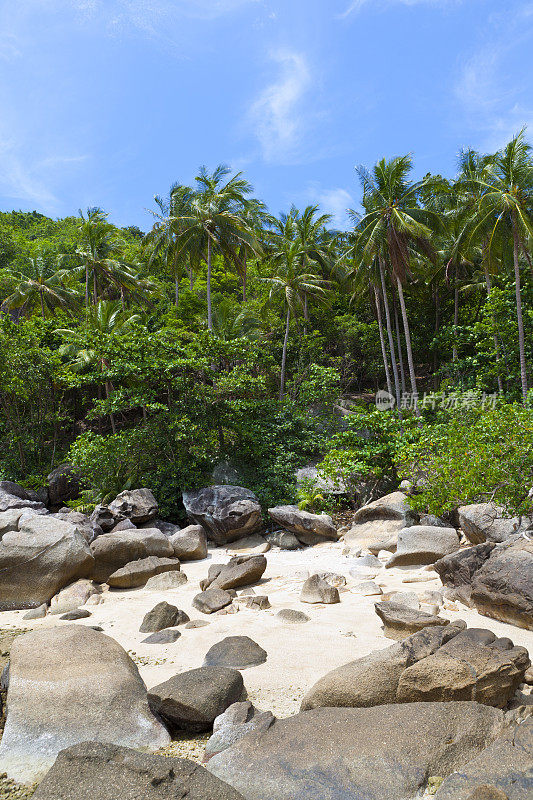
[192, 700]
[124, 525]
[308, 528]
[284, 540]
[163, 615]
[168, 528]
[457, 570]
[239, 571]
[63, 485]
[92, 771]
[317, 590]
[78, 613]
[166, 581]
[226, 513]
[484, 522]
[137, 573]
[502, 588]
[137, 505]
[380, 753]
[401, 621]
[211, 600]
[239, 652]
[166, 636]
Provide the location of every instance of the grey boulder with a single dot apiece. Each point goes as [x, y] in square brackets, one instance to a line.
[163, 615]
[381, 753]
[394, 506]
[308, 528]
[211, 600]
[401, 621]
[318, 590]
[68, 685]
[111, 551]
[226, 513]
[192, 700]
[190, 543]
[239, 652]
[239, 571]
[93, 771]
[137, 573]
[73, 596]
[63, 485]
[484, 522]
[502, 587]
[137, 505]
[420, 544]
[166, 636]
[237, 721]
[166, 580]
[38, 560]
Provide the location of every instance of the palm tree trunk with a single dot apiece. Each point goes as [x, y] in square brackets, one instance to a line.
[399, 342]
[382, 340]
[244, 280]
[209, 310]
[494, 336]
[455, 315]
[408, 346]
[284, 356]
[389, 333]
[521, 345]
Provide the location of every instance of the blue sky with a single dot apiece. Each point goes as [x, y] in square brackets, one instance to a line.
[107, 102]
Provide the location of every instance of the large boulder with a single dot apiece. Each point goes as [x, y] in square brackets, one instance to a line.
[63, 485]
[445, 663]
[400, 621]
[504, 768]
[137, 505]
[226, 513]
[112, 551]
[421, 544]
[38, 560]
[190, 543]
[373, 679]
[318, 590]
[381, 753]
[73, 596]
[88, 529]
[238, 652]
[10, 501]
[502, 587]
[457, 570]
[391, 506]
[162, 616]
[192, 700]
[308, 528]
[484, 522]
[93, 771]
[137, 573]
[239, 571]
[68, 685]
[237, 721]
[211, 600]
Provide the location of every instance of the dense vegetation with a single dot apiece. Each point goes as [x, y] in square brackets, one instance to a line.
[230, 345]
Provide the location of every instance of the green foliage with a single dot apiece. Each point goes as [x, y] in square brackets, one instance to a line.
[310, 497]
[474, 453]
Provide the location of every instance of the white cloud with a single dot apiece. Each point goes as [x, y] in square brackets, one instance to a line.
[493, 102]
[277, 116]
[334, 201]
[357, 5]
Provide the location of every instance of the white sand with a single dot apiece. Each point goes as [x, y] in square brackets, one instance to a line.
[297, 654]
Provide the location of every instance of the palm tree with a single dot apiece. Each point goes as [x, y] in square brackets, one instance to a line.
[506, 190]
[290, 285]
[254, 215]
[40, 283]
[394, 225]
[162, 240]
[105, 318]
[215, 221]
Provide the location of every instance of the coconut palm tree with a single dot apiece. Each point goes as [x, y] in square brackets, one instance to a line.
[41, 283]
[215, 221]
[290, 285]
[394, 225]
[504, 209]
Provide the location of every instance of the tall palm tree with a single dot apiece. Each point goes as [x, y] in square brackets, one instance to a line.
[290, 285]
[394, 224]
[505, 204]
[254, 215]
[215, 220]
[41, 283]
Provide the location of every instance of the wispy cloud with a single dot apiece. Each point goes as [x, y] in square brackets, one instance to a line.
[334, 201]
[493, 103]
[277, 116]
[357, 5]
